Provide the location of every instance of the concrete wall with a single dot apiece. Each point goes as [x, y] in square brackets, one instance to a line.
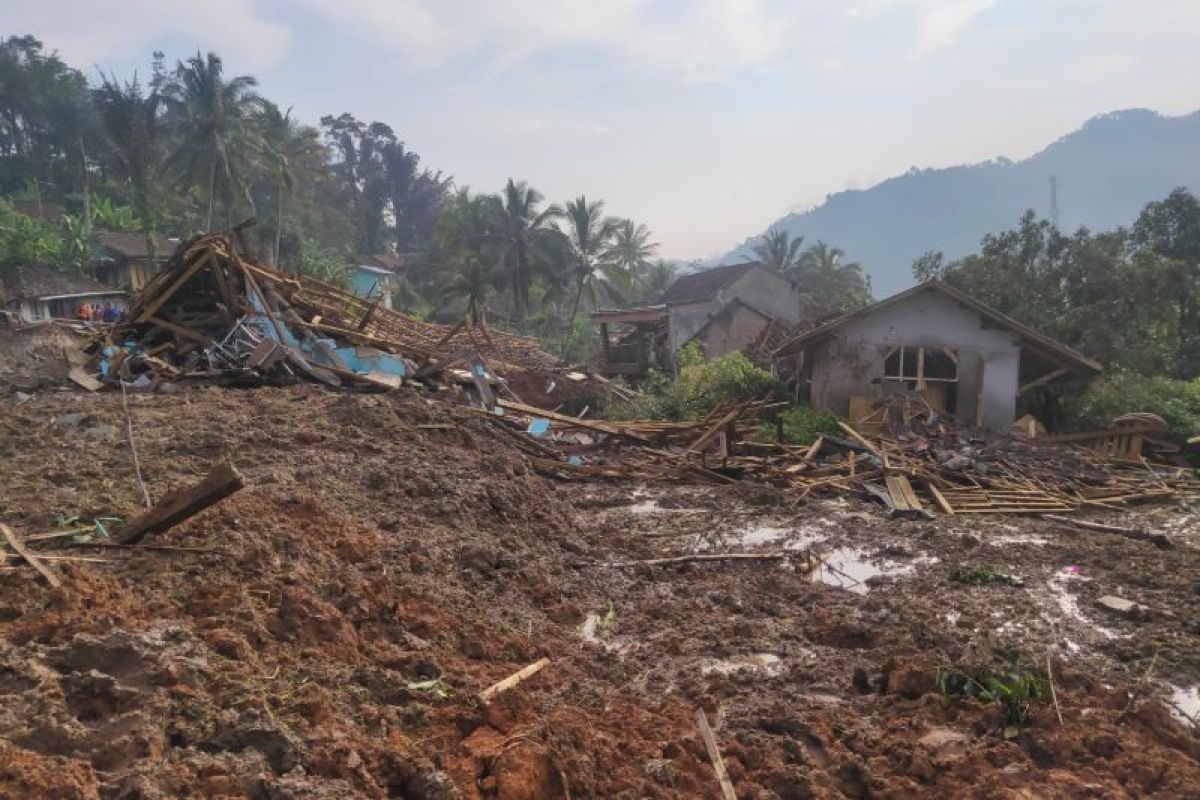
[734, 329]
[759, 288]
[849, 363]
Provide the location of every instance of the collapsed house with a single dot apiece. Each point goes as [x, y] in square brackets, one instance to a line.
[723, 309]
[124, 259]
[958, 355]
[377, 275]
[214, 314]
[35, 293]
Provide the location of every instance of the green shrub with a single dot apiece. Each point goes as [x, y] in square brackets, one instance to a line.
[701, 385]
[802, 425]
[1117, 393]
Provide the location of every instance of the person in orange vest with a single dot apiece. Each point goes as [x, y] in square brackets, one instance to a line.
[84, 313]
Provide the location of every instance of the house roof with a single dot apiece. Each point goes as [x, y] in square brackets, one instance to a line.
[133, 245]
[1039, 342]
[630, 315]
[384, 261]
[42, 282]
[705, 285]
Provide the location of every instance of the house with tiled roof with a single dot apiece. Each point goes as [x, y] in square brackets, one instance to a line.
[722, 309]
[35, 293]
[124, 261]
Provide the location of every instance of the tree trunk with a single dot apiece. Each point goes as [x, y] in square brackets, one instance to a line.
[212, 183]
[571, 322]
[278, 225]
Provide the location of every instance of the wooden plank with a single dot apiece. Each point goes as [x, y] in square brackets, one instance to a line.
[512, 405]
[1036, 382]
[181, 504]
[30, 559]
[512, 680]
[714, 755]
[181, 330]
[160, 300]
[856, 436]
[941, 500]
[714, 429]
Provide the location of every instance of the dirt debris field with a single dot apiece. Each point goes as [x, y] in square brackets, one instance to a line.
[383, 566]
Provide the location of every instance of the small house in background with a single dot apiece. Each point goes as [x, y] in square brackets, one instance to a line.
[38, 293]
[123, 260]
[723, 309]
[933, 342]
[377, 276]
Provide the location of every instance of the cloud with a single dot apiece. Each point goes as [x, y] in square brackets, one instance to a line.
[940, 24]
[86, 34]
[701, 40]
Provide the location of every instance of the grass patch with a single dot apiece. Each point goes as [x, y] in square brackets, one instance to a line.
[981, 574]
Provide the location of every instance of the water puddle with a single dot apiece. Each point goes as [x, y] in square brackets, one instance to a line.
[767, 664]
[1185, 704]
[1018, 539]
[591, 631]
[791, 538]
[653, 507]
[1068, 603]
[848, 568]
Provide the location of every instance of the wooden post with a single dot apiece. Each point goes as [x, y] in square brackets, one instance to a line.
[604, 343]
[181, 504]
[714, 755]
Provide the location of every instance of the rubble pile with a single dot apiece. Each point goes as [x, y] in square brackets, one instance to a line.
[214, 314]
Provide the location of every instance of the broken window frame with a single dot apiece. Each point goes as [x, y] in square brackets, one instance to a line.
[918, 376]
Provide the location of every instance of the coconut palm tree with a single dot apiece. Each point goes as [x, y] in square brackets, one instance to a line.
[834, 284]
[131, 124]
[656, 278]
[524, 229]
[590, 233]
[212, 120]
[779, 251]
[472, 282]
[287, 148]
[631, 248]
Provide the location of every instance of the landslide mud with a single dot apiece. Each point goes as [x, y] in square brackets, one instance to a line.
[379, 571]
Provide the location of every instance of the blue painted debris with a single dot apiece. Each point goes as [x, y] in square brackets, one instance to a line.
[575, 461]
[538, 427]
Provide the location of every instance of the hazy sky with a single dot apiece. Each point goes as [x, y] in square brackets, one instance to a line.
[705, 119]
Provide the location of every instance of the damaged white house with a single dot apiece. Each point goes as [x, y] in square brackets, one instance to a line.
[959, 355]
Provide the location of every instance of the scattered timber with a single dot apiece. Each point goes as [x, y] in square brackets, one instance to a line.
[512, 680]
[182, 504]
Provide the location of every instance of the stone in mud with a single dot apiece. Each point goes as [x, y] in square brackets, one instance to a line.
[1122, 607]
[944, 744]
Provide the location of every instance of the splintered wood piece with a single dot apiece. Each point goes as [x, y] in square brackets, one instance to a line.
[714, 755]
[159, 301]
[714, 430]
[182, 504]
[697, 557]
[30, 559]
[941, 500]
[512, 680]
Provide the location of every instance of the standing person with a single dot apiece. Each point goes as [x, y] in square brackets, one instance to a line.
[84, 313]
[111, 314]
[97, 312]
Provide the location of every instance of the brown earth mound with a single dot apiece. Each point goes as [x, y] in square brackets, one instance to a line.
[385, 564]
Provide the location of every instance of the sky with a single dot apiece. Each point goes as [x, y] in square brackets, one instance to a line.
[704, 119]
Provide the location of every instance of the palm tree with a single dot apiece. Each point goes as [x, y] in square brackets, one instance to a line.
[212, 118]
[631, 248]
[132, 125]
[524, 229]
[471, 282]
[834, 284]
[779, 251]
[656, 278]
[286, 148]
[589, 233]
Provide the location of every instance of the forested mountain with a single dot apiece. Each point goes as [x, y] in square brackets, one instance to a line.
[1105, 172]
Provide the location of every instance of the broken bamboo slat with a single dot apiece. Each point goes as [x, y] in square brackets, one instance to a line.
[714, 755]
[512, 680]
[696, 557]
[30, 559]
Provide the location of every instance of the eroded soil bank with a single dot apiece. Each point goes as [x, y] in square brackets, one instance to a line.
[381, 568]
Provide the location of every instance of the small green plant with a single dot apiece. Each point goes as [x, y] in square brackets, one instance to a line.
[608, 623]
[800, 425]
[434, 686]
[982, 573]
[1014, 688]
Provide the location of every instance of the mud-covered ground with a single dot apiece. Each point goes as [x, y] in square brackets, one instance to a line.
[385, 564]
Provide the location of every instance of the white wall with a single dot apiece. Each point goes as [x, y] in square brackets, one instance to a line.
[849, 363]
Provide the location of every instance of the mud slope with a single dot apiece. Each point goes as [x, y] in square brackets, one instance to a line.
[384, 564]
